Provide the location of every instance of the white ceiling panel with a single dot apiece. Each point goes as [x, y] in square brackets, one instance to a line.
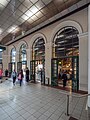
[27, 3]
[39, 4]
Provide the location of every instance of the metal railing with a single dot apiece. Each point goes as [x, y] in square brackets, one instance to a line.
[68, 95]
[68, 101]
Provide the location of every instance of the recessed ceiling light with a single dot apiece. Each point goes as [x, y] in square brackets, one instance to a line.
[0, 50]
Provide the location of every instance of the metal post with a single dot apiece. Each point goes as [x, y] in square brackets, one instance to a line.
[67, 105]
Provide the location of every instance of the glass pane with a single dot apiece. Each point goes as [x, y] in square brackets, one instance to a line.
[22, 53]
[66, 42]
[39, 49]
[13, 55]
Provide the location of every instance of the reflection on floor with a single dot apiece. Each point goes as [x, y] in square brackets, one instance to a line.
[68, 86]
[38, 102]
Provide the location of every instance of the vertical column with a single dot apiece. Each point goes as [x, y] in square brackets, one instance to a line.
[17, 58]
[89, 55]
[28, 58]
[5, 60]
[48, 56]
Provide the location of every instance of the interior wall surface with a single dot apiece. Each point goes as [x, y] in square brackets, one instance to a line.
[80, 18]
[5, 59]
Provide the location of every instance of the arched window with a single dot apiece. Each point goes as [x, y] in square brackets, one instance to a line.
[13, 55]
[22, 53]
[38, 49]
[66, 42]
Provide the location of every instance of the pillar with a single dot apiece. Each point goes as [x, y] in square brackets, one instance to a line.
[89, 55]
[5, 60]
[17, 58]
[28, 58]
[48, 56]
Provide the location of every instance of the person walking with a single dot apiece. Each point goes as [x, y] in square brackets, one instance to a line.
[14, 74]
[27, 74]
[20, 77]
[1, 74]
[6, 73]
[64, 78]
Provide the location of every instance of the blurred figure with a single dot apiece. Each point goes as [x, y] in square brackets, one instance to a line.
[6, 73]
[27, 74]
[64, 78]
[14, 75]
[20, 77]
[1, 74]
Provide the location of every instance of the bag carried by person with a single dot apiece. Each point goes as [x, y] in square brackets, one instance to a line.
[19, 77]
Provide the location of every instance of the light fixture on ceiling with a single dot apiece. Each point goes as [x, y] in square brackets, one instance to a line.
[0, 50]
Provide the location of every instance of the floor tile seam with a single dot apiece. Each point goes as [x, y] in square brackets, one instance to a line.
[74, 110]
[61, 115]
[7, 112]
[82, 111]
[10, 89]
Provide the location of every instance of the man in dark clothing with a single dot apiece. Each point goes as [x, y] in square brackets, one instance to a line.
[64, 78]
[6, 73]
[27, 74]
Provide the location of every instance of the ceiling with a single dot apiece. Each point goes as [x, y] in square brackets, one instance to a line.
[17, 17]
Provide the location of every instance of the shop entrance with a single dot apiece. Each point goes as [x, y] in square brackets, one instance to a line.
[69, 66]
[37, 71]
[11, 67]
[22, 65]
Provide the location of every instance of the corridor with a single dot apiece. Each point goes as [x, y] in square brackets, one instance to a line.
[36, 102]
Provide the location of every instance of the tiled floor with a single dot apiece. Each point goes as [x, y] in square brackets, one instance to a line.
[36, 102]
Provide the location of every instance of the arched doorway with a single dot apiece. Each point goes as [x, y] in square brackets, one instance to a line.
[66, 58]
[12, 66]
[22, 58]
[37, 65]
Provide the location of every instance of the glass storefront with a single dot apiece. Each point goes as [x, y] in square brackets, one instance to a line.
[65, 51]
[38, 63]
[22, 64]
[12, 60]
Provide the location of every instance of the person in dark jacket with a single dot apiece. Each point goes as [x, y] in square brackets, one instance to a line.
[64, 78]
[27, 74]
[6, 72]
[14, 75]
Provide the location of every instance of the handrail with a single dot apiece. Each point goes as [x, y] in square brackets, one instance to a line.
[80, 96]
[74, 96]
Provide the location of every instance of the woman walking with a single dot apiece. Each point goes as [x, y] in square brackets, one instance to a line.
[20, 77]
[14, 74]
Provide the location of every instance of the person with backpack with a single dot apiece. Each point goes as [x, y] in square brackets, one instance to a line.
[14, 74]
